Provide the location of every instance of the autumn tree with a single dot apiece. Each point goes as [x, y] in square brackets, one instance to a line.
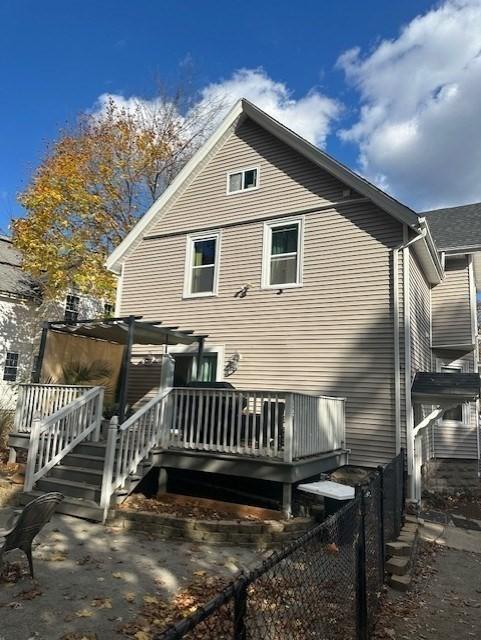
[94, 183]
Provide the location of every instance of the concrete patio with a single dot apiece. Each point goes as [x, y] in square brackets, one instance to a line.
[91, 580]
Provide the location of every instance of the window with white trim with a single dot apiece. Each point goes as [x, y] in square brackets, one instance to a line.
[72, 304]
[282, 260]
[11, 366]
[202, 265]
[243, 180]
[460, 411]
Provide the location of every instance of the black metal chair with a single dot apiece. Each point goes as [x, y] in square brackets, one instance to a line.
[28, 524]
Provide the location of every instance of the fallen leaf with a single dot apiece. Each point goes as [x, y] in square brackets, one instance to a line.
[101, 603]
[118, 575]
[332, 548]
[129, 596]
[84, 613]
[142, 635]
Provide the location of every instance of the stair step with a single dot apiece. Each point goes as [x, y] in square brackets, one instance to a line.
[398, 566]
[91, 449]
[84, 460]
[76, 474]
[69, 506]
[70, 488]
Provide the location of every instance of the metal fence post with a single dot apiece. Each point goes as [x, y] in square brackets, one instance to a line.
[361, 587]
[240, 609]
[381, 517]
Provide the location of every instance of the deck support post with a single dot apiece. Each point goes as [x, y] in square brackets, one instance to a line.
[200, 356]
[162, 482]
[287, 499]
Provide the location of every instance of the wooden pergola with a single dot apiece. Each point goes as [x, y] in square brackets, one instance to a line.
[128, 331]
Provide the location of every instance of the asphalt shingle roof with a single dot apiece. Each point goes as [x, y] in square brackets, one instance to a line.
[463, 385]
[456, 227]
[12, 279]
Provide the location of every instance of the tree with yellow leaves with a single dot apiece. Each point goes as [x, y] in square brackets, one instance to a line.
[94, 183]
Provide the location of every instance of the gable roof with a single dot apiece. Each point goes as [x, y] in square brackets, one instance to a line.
[13, 280]
[456, 227]
[244, 108]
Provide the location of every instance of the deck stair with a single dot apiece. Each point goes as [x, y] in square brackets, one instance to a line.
[79, 478]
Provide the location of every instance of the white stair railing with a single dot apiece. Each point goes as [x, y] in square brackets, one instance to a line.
[41, 400]
[131, 442]
[53, 437]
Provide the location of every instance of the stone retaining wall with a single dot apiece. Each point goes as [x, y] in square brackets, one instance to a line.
[261, 534]
[451, 476]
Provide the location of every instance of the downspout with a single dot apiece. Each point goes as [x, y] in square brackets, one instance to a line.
[404, 247]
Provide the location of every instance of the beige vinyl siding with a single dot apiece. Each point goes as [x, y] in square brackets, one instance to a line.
[451, 306]
[420, 308]
[333, 336]
[287, 183]
[450, 440]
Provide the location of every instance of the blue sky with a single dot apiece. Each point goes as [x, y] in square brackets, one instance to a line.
[58, 57]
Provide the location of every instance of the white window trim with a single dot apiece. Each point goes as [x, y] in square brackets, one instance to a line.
[194, 237]
[462, 366]
[192, 350]
[266, 253]
[242, 190]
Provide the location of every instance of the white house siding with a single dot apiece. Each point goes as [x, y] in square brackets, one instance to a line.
[16, 318]
[420, 308]
[451, 306]
[20, 328]
[334, 335]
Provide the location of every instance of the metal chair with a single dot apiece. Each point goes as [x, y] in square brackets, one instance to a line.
[28, 524]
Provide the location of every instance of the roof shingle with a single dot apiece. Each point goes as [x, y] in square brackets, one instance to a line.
[456, 227]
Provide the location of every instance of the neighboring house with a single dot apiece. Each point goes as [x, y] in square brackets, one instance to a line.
[21, 315]
[307, 277]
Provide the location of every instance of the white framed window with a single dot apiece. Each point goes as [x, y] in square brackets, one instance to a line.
[243, 180]
[72, 305]
[202, 265]
[10, 371]
[460, 413]
[283, 254]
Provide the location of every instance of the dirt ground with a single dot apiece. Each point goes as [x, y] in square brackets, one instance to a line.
[445, 602]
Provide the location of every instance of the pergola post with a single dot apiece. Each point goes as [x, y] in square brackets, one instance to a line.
[124, 372]
[41, 352]
[200, 356]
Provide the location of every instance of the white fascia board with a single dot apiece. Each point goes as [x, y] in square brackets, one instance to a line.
[115, 259]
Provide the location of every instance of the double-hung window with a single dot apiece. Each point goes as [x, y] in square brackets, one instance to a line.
[72, 304]
[202, 265]
[459, 412]
[282, 261]
[243, 180]
[11, 367]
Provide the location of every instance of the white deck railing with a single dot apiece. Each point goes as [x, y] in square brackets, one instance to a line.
[54, 436]
[41, 400]
[131, 442]
[271, 424]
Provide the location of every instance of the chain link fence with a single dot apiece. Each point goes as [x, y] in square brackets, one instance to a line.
[324, 585]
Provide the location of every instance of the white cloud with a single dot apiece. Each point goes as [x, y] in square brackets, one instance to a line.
[419, 123]
[310, 115]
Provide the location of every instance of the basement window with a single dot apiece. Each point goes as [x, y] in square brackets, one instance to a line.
[243, 180]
